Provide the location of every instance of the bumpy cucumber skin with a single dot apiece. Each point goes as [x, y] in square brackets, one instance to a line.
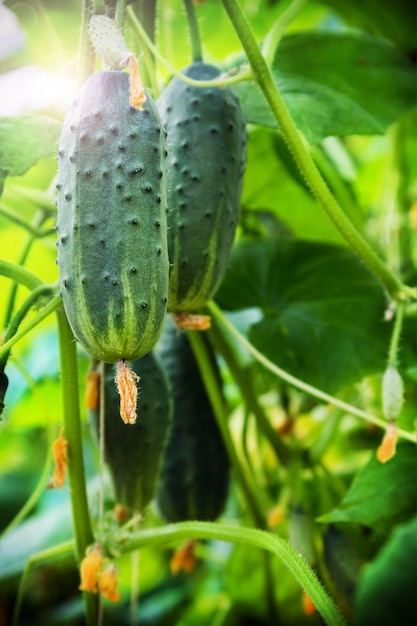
[195, 475]
[206, 161]
[112, 224]
[133, 452]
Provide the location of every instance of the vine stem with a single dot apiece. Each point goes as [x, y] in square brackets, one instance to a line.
[72, 428]
[264, 78]
[395, 337]
[199, 348]
[19, 274]
[294, 562]
[216, 312]
[274, 36]
[196, 48]
[38, 292]
[244, 382]
[49, 308]
[216, 82]
[44, 555]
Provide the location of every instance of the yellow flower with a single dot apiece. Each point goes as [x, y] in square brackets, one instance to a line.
[184, 558]
[90, 566]
[108, 583]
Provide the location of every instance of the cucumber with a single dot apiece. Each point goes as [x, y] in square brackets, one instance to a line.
[112, 230]
[195, 475]
[206, 161]
[133, 452]
[4, 383]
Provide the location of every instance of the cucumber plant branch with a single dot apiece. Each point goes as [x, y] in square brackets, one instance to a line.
[263, 75]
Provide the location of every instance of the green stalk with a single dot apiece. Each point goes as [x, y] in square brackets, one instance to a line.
[264, 78]
[274, 36]
[99, 7]
[245, 384]
[19, 274]
[148, 75]
[85, 55]
[17, 219]
[49, 553]
[76, 474]
[196, 48]
[337, 185]
[39, 218]
[395, 337]
[119, 17]
[213, 391]
[37, 319]
[216, 82]
[295, 563]
[37, 293]
[246, 486]
[215, 311]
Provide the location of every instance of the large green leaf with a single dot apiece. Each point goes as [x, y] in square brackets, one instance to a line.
[273, 183]
[24, 140]
[322, 309]
[387, 590]
[382, 494]
[393, 20]
[336, 83]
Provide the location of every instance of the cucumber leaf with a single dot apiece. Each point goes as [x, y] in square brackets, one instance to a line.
[382, 494]
[336, 83]
[322, 309]
[386, 592]
[24, 140]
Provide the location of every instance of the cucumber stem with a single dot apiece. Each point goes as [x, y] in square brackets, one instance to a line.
[196, 48]
[85, 55]
[274, 36]
[295, 563]
[38, 292]
[71, 416]
[395, 337]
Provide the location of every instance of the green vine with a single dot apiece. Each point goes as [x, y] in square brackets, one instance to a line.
[216, 312]
[264, 78]
[34, 296]
[49, 308]
[72, 428]
[244, 381]
[196, 49]
[252, 537]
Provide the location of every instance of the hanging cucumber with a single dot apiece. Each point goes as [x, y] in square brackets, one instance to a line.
[134, 453]
[195, 471]
[112, 237]
[206, 160]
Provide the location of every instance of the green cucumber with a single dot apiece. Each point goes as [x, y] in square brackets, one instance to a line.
[133, 452]
[195, 473]
[4, 383]
[112, 231]
[206, 159]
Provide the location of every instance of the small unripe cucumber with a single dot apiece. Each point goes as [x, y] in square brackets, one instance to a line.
[392, 393]
[133, 452]
[206, 160]
[195, 471]
[112, 237]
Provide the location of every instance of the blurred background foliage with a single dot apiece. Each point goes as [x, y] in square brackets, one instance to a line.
[292, 283]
